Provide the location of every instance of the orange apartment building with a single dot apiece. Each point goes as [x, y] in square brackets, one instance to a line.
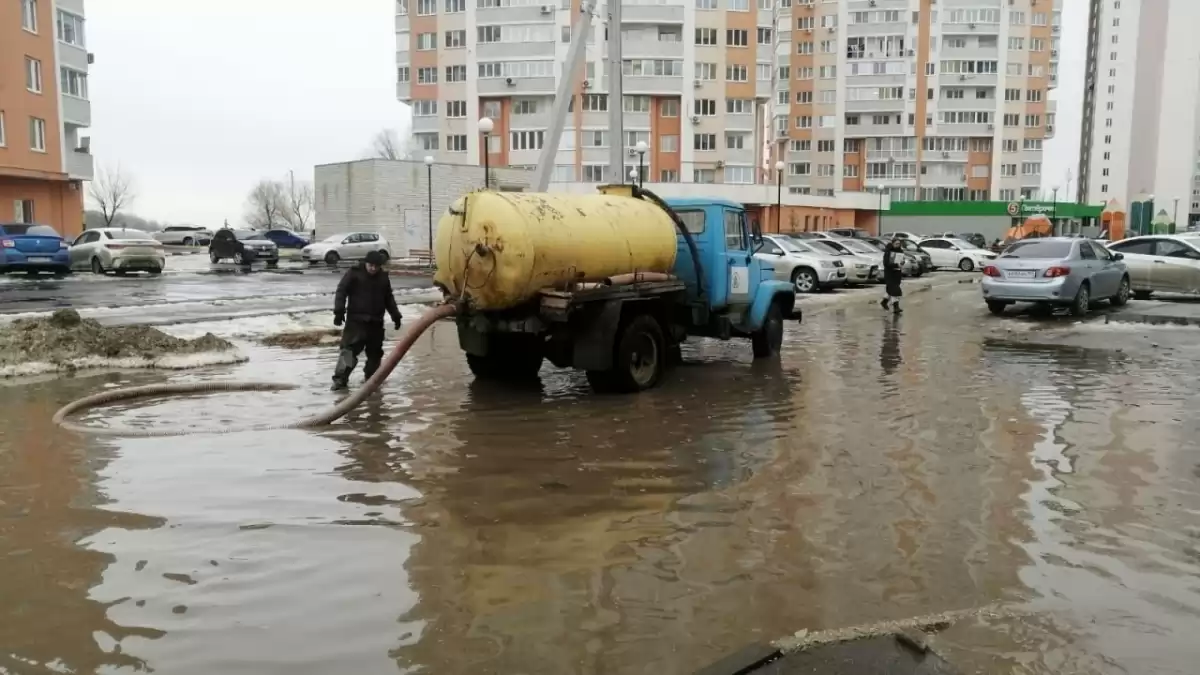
[44, 107]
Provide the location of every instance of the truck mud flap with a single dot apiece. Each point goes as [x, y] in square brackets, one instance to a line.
[593, 348]
[796, 314]
[897, 654]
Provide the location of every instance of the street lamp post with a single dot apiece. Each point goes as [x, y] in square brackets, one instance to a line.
[633, 176]
[1054, 210]
[879, 210]
[1175, 216]
[641, 148]
[779, 166]
[429, 202]
[485, 127]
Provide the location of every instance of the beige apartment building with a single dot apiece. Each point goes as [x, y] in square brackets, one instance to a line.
[915, 99]
[43, 110]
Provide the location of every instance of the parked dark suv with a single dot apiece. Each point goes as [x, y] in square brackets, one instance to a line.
[242, 247]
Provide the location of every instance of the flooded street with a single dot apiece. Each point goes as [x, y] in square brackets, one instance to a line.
[885, 468]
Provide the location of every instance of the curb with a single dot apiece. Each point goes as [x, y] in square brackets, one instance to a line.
[1152, 319]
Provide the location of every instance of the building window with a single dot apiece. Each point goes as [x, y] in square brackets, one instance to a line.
[668, 143]
[426, 141]
[456, 73]
[456, 39]
[33, 75]
[456, 108]
[527, 140]
[737, 38]
[668, 176]
[668, 108]
[426, 7]
[593, 173]
[706, 71]
[739, 5]
[849, 171]
[636, 104]
[1031, 168]
[401, 7]
[741, 175]
[595, 138]
[424, 107]
[705, 107]
[766, 36]
[37, 134]
[74, 83]
[456, 6]
[704, 176]
[427, 76]
[29, 15]
[705, 142]
[426, 41]
[735, 140]
[70, 29]
[706, 4]
[403, 74]
[736, 73]
[706, 37]
[798, 169]
[595, 102]
[524, 106]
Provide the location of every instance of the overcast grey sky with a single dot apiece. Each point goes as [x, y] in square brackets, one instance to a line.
[200, 100]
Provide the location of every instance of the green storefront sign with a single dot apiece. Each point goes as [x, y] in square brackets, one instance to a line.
[1060, 210]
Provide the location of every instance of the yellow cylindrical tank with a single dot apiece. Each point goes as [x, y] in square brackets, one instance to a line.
[501, 248]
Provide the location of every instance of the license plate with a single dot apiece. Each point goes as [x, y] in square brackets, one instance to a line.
[38, 259]
[1020, 274]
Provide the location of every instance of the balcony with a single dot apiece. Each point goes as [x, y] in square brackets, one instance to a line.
[76, 111]
[487, 51]
[80, 165]
[649, 49]
[635, 84]
[652, 13]
[498, 86]
[884, 106]
[403, 91]
[425, 124]
[970, 29]
[523, 14]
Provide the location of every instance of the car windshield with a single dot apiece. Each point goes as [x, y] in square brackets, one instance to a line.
[961, 243]
[827, 249]
[248, 234]
[1038, 249]
[858, 247]
[128, 234]
[334, 238]
[17, 229]
[790, 245]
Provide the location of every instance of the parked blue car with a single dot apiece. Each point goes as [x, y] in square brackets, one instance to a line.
[286, 239]
[30, 248]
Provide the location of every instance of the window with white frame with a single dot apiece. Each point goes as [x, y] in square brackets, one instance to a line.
[706, 4]
[804, 122]
[594, 173]
[427, 75]
[766, 36]
[74, 83]
[827, 72]
[632, 138]
[704, 176]
[1008, 170]
[455, 39]
[763, 72]
[801, 145]
[456, 73]
[668, 107]
[736, 140]
[826, 146]
[426, 7]
[849, 171]
[595, 102]
[595, 138]
[1015, 44]
[1034, 144]
[636, 104]
[827, 96]
[964, 117]
[1031, 168]
[526, 140]
[706, 71]
[456, 109]
[456, 143]
[704, 107]
[505, 69]
[668, 176]
[491, 110]
[33, 75]
[37, 134]
[668, 143]
[29, 15]
[706, 37]
[826, 121]
[401, 7]
[737, 37]
[424, 108]
[704, 142]
[426, 41]
[456, 6]
[741, 175]
[426, 141]
[799, 169]
[736, 73]
[403, 74]
[652, 68]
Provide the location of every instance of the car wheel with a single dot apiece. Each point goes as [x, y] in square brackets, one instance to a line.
[155, 271]
[1082, 301]
[804, 280]
[1142, 295]
[768, 340]
[188, 241]
[272, 264]
[996, 306]
[640, 356]
[97, 268]
[966, 264]
[1122, 296]
[331, 258]
[212, 255]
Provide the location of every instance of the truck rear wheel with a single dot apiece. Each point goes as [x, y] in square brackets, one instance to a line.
[639, 360]
[768, 340]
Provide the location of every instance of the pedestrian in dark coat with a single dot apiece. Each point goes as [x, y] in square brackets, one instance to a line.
[363, 296]
[893, 259]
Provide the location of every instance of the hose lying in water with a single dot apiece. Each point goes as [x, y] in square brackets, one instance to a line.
[344, 406]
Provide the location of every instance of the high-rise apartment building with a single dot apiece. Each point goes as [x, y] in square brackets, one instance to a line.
[1141, 108]
[43, 108]
[925, 99]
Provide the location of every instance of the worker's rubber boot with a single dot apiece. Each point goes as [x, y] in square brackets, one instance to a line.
[896, 308]
[339, 385]
[883, 303]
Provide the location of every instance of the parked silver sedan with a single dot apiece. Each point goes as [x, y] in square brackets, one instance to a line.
[117, 250]
[1168, 263]
[1055, 271]
[806, 268]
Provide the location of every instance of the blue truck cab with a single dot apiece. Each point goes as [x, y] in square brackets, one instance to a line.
[626, 332]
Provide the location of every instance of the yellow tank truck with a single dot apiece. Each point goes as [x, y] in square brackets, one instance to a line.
[609, 283]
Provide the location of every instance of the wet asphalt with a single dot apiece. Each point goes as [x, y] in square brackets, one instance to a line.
[884, 468]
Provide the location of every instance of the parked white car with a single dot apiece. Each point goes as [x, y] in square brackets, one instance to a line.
[183, 235]
[1169, 263]
[946, 252]
[802, 265]
[901, 235]
[114, 249]
[352, 246]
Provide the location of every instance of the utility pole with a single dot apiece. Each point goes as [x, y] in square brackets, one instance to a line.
[581, 28]
[616, 102]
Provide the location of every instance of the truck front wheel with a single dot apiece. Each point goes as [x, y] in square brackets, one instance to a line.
[768, 340]
[640, 357]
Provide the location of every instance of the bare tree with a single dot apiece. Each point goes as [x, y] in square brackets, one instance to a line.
[298, 202]
[267, 205]
[387, 145]
[112, 190]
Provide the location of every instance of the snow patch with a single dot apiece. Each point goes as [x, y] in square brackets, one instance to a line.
[166, 362]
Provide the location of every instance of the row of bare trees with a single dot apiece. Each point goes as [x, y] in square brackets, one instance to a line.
[274, 203]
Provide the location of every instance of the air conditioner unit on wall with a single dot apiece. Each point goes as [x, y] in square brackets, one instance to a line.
[510, 82]
[547, 9]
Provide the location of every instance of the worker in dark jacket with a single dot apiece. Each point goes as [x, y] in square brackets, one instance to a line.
[893, 259]
[363, 295]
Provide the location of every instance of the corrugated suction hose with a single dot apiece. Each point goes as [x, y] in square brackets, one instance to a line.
[62, 417]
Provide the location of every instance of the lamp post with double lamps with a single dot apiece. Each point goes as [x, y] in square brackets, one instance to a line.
[779, 166]
[641, 148]
[429, 201]
[633, 176]
[485, 128]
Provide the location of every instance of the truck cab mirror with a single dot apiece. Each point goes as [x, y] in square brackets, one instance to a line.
[756, 236]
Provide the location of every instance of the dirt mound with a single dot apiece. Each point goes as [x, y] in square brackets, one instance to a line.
[65, 337]
[302, 339]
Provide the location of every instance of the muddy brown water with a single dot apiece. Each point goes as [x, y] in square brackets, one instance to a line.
[884, 469]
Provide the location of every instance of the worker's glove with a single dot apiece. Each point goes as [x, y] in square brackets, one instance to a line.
[338, 318]
[397, 324]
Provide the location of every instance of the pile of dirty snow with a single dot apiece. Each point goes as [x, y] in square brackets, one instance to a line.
[302, 339]
[65, 341]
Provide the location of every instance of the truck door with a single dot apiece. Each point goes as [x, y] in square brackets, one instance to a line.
[740, 282]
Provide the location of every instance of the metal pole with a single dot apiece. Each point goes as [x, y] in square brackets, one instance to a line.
[879, 211]
[642, 170]
[779, 201]
[1054, 213]
[429, 194]
[487, 175]
[616, 101]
